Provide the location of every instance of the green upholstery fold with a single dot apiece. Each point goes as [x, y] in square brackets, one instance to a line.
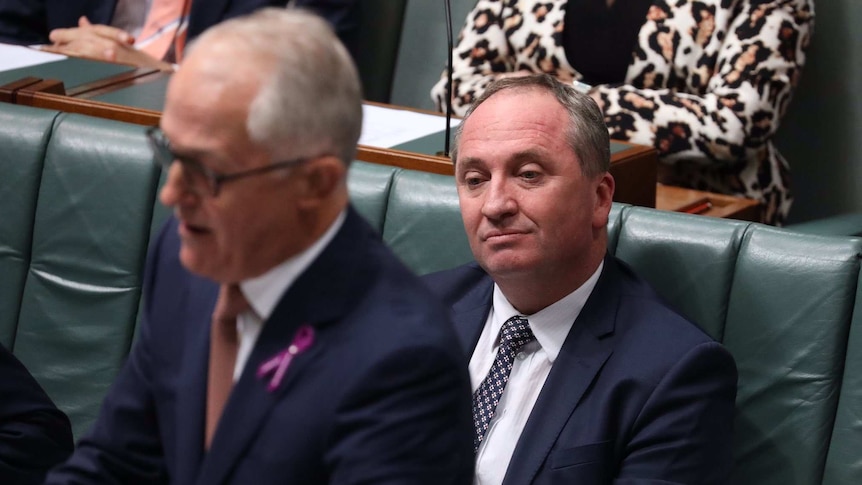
[423, 223]
[90, 236]
[788, 319]
[369, 186]
[844, 461]
[614, 224]
[689, 260]
[23, 141]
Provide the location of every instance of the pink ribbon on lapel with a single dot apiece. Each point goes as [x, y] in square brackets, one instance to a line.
[277, 366]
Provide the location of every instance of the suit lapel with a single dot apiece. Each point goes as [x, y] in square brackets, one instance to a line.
[584, 352]
[250, 403]
[469, 314]
[319, 297]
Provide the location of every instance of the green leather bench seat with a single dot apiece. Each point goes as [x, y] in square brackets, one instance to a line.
[87, 242]
[23, 141]
[838, 225]
[78, 204]
[844, 460]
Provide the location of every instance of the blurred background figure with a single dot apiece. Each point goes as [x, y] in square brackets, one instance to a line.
[706, 83]
[146, 33]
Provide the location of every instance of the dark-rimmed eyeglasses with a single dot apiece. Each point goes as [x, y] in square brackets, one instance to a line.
[200, 178]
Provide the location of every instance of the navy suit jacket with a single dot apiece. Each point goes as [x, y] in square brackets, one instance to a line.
[637, 395]
[29, 21]
[34, 434]
[381, 397]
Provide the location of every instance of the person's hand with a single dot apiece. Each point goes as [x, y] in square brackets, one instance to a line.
[101, 42]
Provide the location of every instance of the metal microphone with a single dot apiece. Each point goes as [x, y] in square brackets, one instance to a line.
[448, 9]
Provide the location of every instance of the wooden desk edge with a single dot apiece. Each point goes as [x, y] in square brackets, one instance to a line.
[9, 91]
[719, 205]
[111, 83]
[88, 107]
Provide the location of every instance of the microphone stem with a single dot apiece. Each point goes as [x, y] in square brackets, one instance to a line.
[448, 9]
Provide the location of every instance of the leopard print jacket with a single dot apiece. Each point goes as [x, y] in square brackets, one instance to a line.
[707, 84]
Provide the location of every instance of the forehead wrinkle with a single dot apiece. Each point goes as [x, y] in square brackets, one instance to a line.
[521, 157]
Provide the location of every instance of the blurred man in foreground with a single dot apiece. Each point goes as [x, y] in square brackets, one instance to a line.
[282, 342]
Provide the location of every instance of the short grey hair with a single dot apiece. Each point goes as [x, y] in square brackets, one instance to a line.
[586, 134]
[310, 102]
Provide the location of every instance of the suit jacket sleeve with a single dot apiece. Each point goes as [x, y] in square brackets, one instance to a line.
[397, 425]
[30, 21]
[23, 22]
[343, 15]
[681, 435]
[34, 435]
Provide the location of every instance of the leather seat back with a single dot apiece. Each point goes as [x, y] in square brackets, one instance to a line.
[90, 232]
[23, 140]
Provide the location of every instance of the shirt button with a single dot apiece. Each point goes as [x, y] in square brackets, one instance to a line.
[522, 355]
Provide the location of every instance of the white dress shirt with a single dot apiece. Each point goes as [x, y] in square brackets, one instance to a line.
[529, 371]
[264, 292]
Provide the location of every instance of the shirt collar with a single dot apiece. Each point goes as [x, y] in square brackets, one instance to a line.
[263, 292]
[552, 324]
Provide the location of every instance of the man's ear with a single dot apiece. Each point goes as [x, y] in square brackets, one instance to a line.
[321, 178]
[604, 197]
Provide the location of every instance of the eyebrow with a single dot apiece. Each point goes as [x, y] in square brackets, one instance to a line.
[522, 157]
[202, 157]
[193, 153]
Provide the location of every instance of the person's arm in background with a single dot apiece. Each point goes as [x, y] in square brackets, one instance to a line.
[343, 15]
[23, 22]
[746, 94]
[34, 434]
[482, 54]
[102, 42]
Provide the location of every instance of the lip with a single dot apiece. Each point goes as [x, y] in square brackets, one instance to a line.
[190, 230]
[501, 235]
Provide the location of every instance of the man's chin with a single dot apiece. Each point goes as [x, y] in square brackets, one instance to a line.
[196, 263]
[500, 267]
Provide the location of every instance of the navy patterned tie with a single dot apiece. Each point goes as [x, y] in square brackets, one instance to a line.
[515, 334]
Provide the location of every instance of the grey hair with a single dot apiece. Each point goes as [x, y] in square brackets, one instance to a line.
[310, 102]
[586, 134]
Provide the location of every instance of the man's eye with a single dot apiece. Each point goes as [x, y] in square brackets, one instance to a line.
[529, 175]
[472, 179]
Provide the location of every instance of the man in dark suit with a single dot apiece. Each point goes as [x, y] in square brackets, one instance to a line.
[104, 29]
[282, 342]
[34, 434]
[581, 374]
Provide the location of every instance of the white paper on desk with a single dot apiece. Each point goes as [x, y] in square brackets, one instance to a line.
[15, 56]
[386, 127]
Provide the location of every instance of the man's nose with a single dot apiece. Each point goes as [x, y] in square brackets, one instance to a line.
[499, 201]
[176, 190]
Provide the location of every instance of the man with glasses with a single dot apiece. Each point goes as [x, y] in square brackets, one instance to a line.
[281, 341]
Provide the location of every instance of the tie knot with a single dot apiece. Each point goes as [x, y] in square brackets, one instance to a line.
[230, 304]
[516, 333]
